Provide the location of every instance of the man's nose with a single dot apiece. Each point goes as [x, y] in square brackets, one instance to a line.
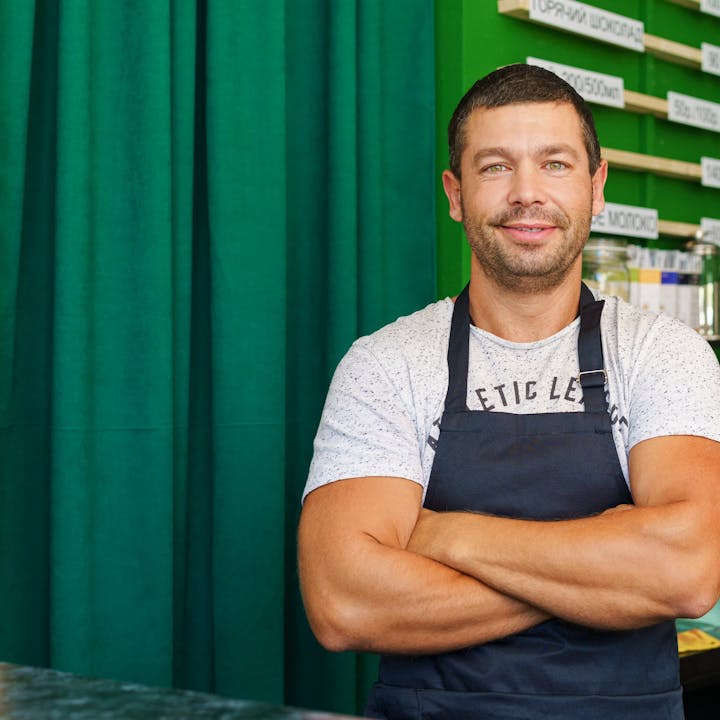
[526, 186]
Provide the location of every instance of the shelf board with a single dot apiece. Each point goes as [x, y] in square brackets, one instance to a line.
[660, 47]
[681, 230]
[515, 8]
[692, 4]
[673, 51]
[641, 103]
[667, 167]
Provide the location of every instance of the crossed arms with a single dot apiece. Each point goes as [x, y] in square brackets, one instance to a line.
[380, 574]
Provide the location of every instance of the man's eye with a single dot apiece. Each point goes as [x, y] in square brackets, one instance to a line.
[494, 169]
[556, 165]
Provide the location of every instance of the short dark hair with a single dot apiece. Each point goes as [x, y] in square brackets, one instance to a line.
[519, 83]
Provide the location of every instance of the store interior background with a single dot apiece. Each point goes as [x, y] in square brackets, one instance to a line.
[202, 204]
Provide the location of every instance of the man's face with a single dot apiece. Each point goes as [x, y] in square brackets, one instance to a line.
[526, 198]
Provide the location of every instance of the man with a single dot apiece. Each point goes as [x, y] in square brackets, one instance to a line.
[514, 494]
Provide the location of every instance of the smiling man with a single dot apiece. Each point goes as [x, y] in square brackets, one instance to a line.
[514, 493]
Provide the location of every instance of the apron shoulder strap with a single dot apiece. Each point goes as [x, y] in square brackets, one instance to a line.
[590, 354]
[457, 355]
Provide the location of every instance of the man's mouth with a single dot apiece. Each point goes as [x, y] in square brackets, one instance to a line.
[528, 231]
[529, 228]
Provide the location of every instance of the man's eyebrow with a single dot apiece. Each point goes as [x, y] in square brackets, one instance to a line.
[484, 153]
[556, 149]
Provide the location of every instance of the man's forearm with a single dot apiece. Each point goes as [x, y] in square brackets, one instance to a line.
[364, 591]
[391, 601]
[616, 570]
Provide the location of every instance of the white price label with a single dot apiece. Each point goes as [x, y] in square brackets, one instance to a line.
[627, 220]
[592, 86]
[710, 230]
[710, 58]
[710, 172]
[582, 19]
[693, 111]
[711, 7]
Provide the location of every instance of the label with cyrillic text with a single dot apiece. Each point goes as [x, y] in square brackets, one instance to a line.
[592, 86]
[710, 230]
[693, 111]
[711, 7]
[628, 220]
[710, 172]
[582, 19]
[710, 58]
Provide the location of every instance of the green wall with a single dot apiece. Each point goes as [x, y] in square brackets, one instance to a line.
[473, 38]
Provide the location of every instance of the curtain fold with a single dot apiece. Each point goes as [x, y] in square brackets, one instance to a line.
[27, 164]
[202, 203]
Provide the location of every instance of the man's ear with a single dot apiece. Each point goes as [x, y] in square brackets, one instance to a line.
[598, 187]
[451, 185]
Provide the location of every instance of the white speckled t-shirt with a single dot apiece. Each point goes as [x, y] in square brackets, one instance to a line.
[386, 398]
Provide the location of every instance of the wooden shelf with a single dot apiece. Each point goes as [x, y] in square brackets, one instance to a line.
[641, 103]
[515, 8]
[673, 51]
[659, 47]
[682, 230]
[693, 4]
[651, 163]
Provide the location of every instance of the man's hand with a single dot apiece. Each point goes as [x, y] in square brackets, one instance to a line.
[433, 532]
[618, 508]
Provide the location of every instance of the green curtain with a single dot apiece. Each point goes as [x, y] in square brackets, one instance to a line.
[202, 203]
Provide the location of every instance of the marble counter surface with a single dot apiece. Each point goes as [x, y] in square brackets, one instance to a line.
[28, 693]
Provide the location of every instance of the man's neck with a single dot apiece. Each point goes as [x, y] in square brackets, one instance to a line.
[521, 316]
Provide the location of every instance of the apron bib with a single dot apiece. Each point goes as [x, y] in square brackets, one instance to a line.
[541, 466]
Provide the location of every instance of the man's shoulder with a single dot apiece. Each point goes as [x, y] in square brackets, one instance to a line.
[410, 334]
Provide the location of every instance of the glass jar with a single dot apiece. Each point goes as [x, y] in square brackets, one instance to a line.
[708, 321]
[604, 267]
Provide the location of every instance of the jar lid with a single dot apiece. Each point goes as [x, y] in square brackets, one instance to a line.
[700, 248]
[606, 244]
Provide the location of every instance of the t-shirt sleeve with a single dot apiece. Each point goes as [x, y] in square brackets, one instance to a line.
[675, 388]
[367, 426]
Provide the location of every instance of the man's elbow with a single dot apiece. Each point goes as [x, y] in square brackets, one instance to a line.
[330, 638]
[699, 599]
[336, 626]
[699, 586]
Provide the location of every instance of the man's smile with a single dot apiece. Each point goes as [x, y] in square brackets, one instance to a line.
[524, 232]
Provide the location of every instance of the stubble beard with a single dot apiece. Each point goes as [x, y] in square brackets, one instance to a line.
[527, 269]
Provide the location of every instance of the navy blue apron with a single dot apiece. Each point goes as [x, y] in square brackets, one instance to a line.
[541, 466]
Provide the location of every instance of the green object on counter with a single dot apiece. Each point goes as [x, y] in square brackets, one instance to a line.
[710, 622]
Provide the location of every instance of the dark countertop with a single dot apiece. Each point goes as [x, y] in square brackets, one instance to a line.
[28, 693]
[700, 670]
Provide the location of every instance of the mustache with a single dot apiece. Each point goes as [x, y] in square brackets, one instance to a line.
[539, 215]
